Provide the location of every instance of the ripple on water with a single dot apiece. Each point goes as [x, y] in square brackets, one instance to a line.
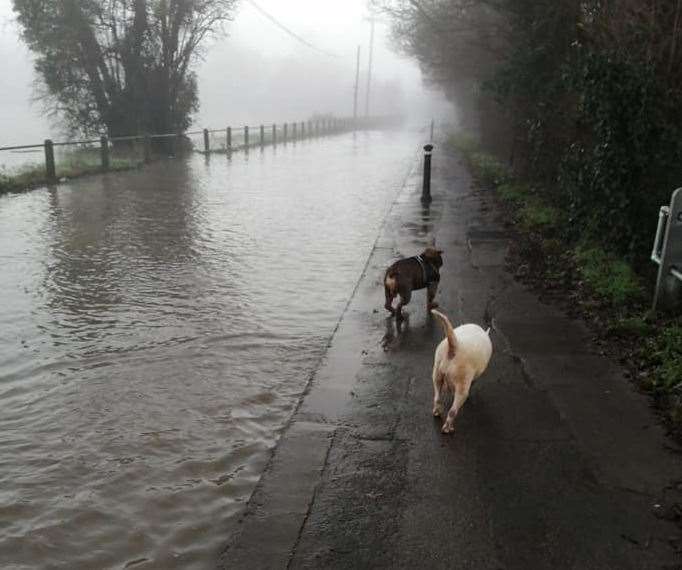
[158, 328]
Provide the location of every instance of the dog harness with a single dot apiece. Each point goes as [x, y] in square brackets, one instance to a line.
[429, 272]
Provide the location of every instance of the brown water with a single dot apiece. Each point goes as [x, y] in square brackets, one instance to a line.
[156, 330]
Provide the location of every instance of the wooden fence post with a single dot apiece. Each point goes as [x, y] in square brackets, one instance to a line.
[302, 129]
[104, 152]
[207, 144]
[262, 136]
[274, 133]
[293, 128]
[147, 148]
[246, 136]
[50, 169]
[228, 141]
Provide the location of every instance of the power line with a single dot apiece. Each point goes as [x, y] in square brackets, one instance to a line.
[290, 32]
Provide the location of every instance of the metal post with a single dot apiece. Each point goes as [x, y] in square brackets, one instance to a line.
[104, 152]
[357, 81]
[369, 65]
[262, 135]
[50, 169]
[207, 146]
[246, 136]
[426, 186]
[228, 139]
[274, 133]
[431, 139]
[668, 285]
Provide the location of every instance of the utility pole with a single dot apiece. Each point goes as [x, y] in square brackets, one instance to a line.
[369, 66]
[357, 84]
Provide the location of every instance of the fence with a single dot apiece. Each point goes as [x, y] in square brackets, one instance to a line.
[667, 253]
[115, 153]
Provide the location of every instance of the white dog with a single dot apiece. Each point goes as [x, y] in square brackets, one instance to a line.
[460, 358]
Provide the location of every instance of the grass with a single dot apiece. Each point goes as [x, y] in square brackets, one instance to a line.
[535, 215]
[631, 327]
[609, 282]
[513, 193]
[610, 278]
[72, 165]
[665, 356]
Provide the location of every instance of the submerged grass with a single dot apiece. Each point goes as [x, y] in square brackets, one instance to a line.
[71, 166]
[654, 343]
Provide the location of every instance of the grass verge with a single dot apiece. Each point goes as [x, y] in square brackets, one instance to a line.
[589, 281]
[70, 168]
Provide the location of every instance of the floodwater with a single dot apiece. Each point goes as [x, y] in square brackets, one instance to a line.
[157, 328]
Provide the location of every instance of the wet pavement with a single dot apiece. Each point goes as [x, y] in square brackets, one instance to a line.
[158, 327]
[556, 462]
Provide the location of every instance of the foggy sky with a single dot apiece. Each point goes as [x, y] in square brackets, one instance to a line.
[256, 73]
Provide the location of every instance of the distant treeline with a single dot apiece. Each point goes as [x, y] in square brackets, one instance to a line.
[586, 95]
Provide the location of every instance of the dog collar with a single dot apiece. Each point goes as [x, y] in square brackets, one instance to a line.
[429, 273]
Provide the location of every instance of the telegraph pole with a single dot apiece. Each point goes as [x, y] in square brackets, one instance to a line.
[369, 67]
[357, 84]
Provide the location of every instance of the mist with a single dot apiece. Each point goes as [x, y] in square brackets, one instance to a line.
[255, 72]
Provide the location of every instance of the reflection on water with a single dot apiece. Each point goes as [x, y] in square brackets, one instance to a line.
[157, 327]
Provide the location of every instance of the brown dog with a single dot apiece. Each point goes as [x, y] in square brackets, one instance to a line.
[410, 274]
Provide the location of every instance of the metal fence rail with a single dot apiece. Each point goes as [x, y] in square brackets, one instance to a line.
[227, 140]
[667, 253]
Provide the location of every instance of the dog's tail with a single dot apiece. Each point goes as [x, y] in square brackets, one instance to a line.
[449, 331]
[391, 283]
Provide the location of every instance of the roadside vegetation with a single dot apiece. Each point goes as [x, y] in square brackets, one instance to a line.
[72, 165]
[591, 281]
[575, 108]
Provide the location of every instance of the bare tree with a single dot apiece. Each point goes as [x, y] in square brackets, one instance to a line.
[120, 65]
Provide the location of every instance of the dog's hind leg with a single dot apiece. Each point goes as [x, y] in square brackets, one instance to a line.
[431, 290]
[437, 387]
[389, 299]
[405, 297]
[461, 395]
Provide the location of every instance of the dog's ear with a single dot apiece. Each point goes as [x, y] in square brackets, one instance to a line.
[431, 252]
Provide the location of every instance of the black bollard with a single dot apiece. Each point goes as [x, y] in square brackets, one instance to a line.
[426, 187]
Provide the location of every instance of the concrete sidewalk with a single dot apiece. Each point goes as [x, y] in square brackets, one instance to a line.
[555, 461]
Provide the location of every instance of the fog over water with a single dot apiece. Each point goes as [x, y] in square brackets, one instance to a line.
[256, 72]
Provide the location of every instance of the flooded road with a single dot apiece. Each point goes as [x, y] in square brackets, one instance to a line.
[157, 329]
